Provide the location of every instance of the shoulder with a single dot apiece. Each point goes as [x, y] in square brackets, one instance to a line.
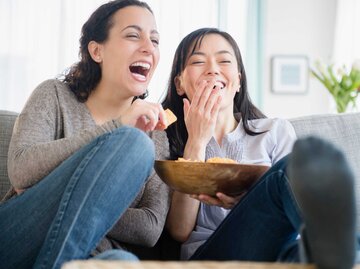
[50, 89]
[270, 124]
[48, 97]
[275, 128]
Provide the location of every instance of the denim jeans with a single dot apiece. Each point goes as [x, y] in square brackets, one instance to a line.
[116, 254]
[66, 214]
[261, 226]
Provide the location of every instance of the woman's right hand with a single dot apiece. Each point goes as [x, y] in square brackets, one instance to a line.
[145, 116]
[200, 119]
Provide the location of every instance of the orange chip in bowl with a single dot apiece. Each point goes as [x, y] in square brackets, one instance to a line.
[220, 160]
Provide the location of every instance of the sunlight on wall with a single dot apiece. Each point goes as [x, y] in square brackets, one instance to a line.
[41, 38]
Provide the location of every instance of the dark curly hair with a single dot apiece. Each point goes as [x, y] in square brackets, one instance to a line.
[84, 76]
[177, 132]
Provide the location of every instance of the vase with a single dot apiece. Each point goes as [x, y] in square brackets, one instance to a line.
[343, 105]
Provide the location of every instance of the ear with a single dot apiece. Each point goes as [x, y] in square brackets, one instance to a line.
[94, 49]
[177, 81]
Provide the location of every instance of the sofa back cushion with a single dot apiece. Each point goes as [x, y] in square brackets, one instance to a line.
[341, 129]
[7, 120]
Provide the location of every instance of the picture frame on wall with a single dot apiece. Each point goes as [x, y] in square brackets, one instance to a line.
[289, 74]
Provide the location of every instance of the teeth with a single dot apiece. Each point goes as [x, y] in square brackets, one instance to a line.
[220, 84]
[143, 65]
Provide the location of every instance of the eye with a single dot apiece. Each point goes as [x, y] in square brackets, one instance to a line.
[155, 41]
[133, 35]
[225, 62]
[197, 62]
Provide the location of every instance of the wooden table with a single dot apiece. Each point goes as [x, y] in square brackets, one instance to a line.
[97, 264]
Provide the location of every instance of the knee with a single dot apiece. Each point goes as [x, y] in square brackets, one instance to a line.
[135, 142]
[141, 142]
[282, 163]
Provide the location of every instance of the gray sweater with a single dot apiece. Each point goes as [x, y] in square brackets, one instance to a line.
[51, 127]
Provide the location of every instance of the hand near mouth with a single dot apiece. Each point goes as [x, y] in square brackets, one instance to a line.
[200, 118]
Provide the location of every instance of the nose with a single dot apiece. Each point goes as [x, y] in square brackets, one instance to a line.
[147, 46]
[213, 68]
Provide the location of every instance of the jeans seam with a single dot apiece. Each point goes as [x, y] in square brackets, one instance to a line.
[67, 195]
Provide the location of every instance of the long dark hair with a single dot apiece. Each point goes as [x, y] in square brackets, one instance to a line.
[84, 76]
[177, 132]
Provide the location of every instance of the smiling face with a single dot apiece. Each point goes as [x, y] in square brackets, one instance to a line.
[130, 55]
[213, 59]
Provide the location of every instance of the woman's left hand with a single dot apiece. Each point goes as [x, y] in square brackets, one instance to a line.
[221, 199]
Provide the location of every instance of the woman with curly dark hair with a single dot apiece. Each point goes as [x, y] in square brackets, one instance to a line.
[80, 161]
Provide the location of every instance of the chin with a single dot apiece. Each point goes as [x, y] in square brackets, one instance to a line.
[140, 92]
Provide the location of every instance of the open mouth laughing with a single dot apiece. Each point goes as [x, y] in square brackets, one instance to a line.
[219, 84]
[140, 70]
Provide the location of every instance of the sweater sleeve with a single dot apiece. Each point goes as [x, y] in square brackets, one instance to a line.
[143, 223]
[37, 145]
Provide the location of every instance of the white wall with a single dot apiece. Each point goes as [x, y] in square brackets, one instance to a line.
[294, 27]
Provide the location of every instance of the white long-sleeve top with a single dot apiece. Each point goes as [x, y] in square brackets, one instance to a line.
[265, 149]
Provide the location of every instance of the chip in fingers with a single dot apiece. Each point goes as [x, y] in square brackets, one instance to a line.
[170, 117]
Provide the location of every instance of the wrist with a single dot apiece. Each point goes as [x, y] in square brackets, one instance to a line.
[194, 150]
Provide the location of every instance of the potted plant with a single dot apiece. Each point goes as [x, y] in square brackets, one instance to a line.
[343, 85]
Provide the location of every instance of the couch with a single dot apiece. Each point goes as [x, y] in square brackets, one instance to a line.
[341, 129]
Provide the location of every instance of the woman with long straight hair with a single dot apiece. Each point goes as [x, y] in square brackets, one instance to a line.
[208, 93]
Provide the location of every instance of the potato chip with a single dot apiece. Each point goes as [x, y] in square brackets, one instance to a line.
[220, 160]
[210, 160]
[170, 117]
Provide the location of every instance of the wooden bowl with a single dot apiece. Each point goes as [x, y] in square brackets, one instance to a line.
[209, 178]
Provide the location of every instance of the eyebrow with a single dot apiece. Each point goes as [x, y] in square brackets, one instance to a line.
[217, 53]
[138, 28]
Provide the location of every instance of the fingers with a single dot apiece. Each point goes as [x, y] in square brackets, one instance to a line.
[229, 201]
[198, 93]
[206, 92]
[162, 120]
[206, 199]
[186, 107]
[206, 98]
[145, 116]
[221, 199]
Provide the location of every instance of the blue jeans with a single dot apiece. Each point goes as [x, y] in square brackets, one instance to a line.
[263, 226]
[260, 226]
[66, 214]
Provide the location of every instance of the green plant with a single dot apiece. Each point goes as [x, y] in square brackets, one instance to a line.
[344, 85]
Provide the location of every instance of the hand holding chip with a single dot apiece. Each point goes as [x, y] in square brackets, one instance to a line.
[147, 116]
[170, 119]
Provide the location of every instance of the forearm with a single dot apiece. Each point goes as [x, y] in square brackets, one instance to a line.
[182, 216]
[137, 226]
[184, 209]
[32, 155]
[143, 223]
